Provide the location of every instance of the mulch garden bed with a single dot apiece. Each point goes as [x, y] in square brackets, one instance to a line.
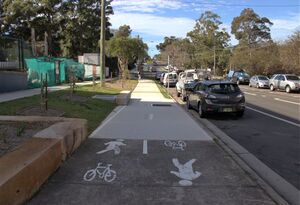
[13, 134]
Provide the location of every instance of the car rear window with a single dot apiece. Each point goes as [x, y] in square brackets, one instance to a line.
[172, 76]
[223, 88]
[292, 77]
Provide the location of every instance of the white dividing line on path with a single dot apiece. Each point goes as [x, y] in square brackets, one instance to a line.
[145, 147]
[278, 118]
[278, 99]
[254, 94]
[107, 120]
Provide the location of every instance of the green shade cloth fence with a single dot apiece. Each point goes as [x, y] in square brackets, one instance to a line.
[58, 70]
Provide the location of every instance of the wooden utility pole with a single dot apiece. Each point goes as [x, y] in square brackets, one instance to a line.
[102, 41]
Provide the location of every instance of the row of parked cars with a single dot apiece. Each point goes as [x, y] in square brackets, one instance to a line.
[222, 96]
[286, 82]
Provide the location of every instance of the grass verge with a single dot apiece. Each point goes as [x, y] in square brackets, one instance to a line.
[94, 110]
[163, 90]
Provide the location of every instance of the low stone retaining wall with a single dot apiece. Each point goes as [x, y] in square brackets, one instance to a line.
[123, 98]
[24, 170]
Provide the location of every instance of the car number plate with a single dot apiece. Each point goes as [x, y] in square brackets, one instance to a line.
[227, 109]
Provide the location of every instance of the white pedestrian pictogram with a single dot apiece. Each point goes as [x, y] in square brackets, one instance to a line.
[186, 172]
[113, 145]
[104, 172]
[175, 144]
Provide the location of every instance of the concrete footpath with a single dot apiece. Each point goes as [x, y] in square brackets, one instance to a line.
[150, 152]
[4, 97]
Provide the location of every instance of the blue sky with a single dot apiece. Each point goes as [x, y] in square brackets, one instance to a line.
[152, 20]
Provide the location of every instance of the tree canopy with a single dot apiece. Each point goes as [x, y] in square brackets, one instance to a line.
[71, 26]
[126, 49]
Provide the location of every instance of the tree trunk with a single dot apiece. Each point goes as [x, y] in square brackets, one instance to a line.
[33, 43]
[46, 44]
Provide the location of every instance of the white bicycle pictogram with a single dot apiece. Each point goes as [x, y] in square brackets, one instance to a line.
[104, 172]
[175, 144]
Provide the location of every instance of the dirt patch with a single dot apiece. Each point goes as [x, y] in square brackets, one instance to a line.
[127, 85]
[36, 111]
[74, 98]
[13, 134]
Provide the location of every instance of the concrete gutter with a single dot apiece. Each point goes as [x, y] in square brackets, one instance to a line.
[24, 170]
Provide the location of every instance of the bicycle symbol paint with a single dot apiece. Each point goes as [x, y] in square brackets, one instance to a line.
[175, 144]
[104, 172]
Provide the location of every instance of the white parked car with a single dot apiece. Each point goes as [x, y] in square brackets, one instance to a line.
[186, 79]
[170, 79]
[259, 81]
[287, 82]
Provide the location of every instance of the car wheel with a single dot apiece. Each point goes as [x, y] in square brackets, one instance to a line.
[272, 87]
[183, 97]
[240, 114]
[188, 105]
[200, 111]
[257, 86]
[288, 89]
[177, 93]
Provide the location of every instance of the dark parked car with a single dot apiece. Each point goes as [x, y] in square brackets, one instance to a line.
[216, 96]
[239, 77]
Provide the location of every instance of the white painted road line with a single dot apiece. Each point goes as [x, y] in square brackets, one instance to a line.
[145, 147]
[278, 118]
[250, 93]
[278, 99]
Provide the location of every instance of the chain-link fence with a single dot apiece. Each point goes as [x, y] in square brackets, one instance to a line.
[12, 53]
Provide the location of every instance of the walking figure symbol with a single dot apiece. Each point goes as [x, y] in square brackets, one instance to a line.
[175, 144]
[104, 172]
[113, 145]
[186, 172]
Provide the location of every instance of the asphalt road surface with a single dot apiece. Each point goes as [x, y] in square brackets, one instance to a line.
[269, 129]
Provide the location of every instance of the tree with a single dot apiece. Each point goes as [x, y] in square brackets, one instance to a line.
[250, 29]
[289, 54]
[123, 31]
[167, 41]
[208, 38]
[83, 19]
[127, 50]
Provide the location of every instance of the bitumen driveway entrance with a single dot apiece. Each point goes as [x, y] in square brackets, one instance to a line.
[150, 172]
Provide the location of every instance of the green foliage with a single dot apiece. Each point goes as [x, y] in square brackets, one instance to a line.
[249, 28]
[127, 50]
[124, 31]
[72, 26]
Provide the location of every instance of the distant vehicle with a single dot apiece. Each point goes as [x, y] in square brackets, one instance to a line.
[157, 75]
[259, 81]
[170, 79]
[287, 82]
[161, 78]
[186, 80]
[216, 96]
[239, 77]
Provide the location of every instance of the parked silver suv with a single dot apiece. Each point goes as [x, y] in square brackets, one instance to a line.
[287, 82]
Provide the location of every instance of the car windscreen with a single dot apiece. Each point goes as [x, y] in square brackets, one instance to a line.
[189, 75]
[172, 76]
[223, 88]
[292, 77]
[242, 74]
[262, 78]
